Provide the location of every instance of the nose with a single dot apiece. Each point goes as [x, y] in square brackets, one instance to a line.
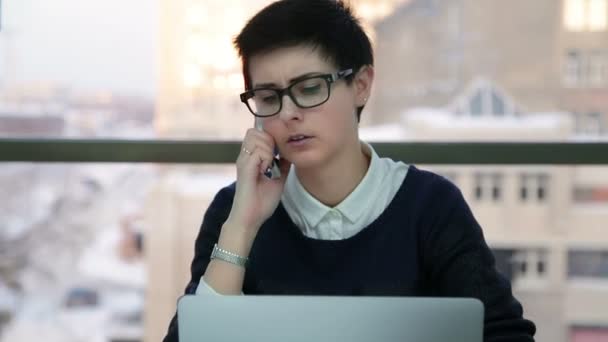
[289, 109]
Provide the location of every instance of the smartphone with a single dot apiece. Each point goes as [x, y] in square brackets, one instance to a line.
[273, 172]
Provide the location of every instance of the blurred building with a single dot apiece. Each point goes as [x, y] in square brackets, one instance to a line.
[35, 125]
[33, 111]
[49, 110]
[550, 54]
[174, 214]
[200, 73]
[545, 224]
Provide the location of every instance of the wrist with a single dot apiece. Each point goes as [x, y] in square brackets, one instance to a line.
[236, 238]
[229, 257]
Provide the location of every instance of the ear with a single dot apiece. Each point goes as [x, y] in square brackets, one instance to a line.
[362, 82]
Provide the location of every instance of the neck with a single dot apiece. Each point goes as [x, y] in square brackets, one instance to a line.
[334, 181]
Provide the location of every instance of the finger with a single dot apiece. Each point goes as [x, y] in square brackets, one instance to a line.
[263, 135]
[247, 154]
[255, 143]
[266, 150]
[244, 154]
[250, 163]
[263, 138]
[248, 151]
[265, 160]
[253, 134]
[249, 141]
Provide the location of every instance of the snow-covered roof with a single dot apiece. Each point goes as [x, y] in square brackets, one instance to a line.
[482, 98]
[204, 183]
[386, 132]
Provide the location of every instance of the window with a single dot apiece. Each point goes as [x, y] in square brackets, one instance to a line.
[573, 68]
[523, 194]
[594, 123]
[488, 184]
[541, 266]
[477, 104]
[496, 186]
[541, 190]
[589, 123]
[503, 260]
[585, 68]
[574, 15]
[588, 264]
[588, 334]
[598, 68]
[522, 264]
[586, 15]
[483, 98]
[534, 186]
[590, 194]
[478, 186]
[530, 264]
[597, 13]
[524, 184]
[498, 104]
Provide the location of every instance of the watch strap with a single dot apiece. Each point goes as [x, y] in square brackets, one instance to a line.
[227, 256]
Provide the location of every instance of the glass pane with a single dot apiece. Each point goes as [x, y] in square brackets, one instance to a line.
[504, 262]
[498, 105]
[598, 15]
[477, 104]
[176, 74]
[575, 14]
[86, 248]
[588, 264]
[166, 69]
[588, 334]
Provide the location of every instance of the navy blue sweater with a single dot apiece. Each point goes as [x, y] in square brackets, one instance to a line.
[426, 243]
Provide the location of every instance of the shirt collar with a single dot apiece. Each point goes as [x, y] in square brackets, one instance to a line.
[303, 205]
[355, 204]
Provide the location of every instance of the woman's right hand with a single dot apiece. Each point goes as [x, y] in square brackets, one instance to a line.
[257, 196]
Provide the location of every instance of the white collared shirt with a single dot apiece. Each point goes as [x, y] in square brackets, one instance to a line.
[361, 207]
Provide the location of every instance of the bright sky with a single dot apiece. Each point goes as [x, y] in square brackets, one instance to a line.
[85, 44]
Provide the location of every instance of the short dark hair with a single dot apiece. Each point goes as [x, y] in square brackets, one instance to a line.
[326, 25]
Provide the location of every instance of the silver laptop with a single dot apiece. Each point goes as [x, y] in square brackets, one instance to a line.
[206, 318]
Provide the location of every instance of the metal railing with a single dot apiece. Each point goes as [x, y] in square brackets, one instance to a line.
[214, 152]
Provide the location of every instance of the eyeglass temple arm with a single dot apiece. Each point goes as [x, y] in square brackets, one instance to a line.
[343, 73]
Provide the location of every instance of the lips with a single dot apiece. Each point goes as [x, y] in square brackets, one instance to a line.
[298, 137]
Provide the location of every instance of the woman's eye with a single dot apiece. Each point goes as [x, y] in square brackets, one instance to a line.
[313, 89]
[269, 99]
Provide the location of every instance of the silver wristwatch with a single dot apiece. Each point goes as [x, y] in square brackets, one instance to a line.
[229, 257]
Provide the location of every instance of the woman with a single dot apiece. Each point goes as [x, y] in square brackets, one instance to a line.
[339, 220]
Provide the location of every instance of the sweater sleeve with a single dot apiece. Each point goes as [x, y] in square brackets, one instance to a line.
[459, 263]
[208, 235]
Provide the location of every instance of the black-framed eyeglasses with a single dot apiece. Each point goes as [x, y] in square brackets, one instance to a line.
[307, 92]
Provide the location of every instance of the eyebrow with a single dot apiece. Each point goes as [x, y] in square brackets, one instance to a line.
[291, 81]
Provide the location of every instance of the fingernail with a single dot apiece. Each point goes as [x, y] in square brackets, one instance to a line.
[268, 173]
